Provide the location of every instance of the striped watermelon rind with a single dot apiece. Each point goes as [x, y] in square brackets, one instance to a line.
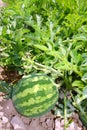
[34, 95]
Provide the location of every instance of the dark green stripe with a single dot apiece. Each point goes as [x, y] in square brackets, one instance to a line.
[20, 87]
[33, 95]
[25, 108]
[41, 113]
[42, 109]
[27, 97]
[38, 114]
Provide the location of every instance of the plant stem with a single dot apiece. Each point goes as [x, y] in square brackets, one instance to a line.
[65, 112]
[48, 68]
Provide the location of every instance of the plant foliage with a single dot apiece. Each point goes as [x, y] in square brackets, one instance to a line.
[47, 36]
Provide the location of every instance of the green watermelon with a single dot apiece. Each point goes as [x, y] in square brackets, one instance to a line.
[34, 95]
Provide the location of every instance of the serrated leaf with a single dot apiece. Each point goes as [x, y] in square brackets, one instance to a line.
[82, 37]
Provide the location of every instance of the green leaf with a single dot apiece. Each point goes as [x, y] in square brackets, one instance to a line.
[84, 77]
[4, 87]
[81, 37]
[42, 47]
[78, 83]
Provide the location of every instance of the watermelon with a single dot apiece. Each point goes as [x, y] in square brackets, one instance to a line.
[34, 95]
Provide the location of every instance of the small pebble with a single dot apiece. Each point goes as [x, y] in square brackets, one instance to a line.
[1, 114]
[4, 119]
[8, 108]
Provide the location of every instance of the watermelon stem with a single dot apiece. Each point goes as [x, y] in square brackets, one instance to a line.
[65, 112]
[47, 68]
